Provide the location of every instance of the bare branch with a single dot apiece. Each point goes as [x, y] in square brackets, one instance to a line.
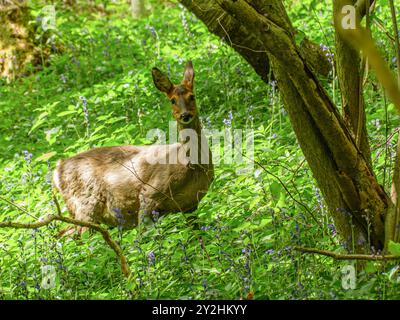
[339, 256]
[93, 226]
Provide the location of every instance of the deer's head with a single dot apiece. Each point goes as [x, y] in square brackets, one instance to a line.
[181, 96]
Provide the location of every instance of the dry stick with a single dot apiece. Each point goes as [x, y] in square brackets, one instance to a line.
[106, 236]
[17, 206]
[387, 142]
[50, 218]
[339, 256]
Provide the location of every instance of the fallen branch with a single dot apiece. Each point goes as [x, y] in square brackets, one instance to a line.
[93, 226]
[339, 256]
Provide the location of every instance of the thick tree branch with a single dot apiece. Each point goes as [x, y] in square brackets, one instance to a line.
[339, 256]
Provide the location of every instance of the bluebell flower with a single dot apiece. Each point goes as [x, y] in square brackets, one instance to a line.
[227, 122]
[27, 156]
[205, 284]
[152, 257]
[63, 78]
[118, 212]
[376, 123]
[246, 251]
[156, 215]
[361, 240]
[332, 228]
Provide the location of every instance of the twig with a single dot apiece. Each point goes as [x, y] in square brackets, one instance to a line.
[288, 192]
[93, 226]
[387, 140]
[339, 256]
[18, 207]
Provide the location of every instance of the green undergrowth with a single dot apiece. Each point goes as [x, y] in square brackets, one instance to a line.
[98, 91]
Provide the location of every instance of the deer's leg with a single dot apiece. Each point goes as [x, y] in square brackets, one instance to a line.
[84, 209]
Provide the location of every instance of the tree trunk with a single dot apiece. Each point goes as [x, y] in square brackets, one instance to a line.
[348, 64]
[137, 8]
[16, 44]
[342, 170]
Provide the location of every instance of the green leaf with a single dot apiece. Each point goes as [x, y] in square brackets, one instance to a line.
[64, 113]
[394, 248]
[52, 134]
[276, 190]
[370, 267]
[46, 156]
[40, 120]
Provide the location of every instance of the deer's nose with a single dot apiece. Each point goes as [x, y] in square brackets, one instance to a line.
[186, 116]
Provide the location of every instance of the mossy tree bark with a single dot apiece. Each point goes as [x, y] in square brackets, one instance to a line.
[16, 44]
[339, 164]
[350, 75]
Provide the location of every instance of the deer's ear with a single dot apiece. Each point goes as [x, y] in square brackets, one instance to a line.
[161, 81]
[188, 79]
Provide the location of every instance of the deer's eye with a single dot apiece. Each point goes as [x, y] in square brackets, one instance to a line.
[173, 101]
[191, 97]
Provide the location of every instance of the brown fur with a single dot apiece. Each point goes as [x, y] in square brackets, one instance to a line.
[113, 185]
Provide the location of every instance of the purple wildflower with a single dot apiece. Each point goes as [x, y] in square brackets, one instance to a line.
[227, 122]
[332, 228]
[246, 251]
[155, 215]
[27, 156]
[152, 257]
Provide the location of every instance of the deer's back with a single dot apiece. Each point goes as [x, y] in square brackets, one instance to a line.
[112, 184]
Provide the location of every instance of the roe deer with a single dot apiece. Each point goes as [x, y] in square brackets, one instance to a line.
[112, 185]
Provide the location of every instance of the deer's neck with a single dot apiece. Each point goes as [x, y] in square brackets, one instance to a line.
[194, 125]
[199, 145]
